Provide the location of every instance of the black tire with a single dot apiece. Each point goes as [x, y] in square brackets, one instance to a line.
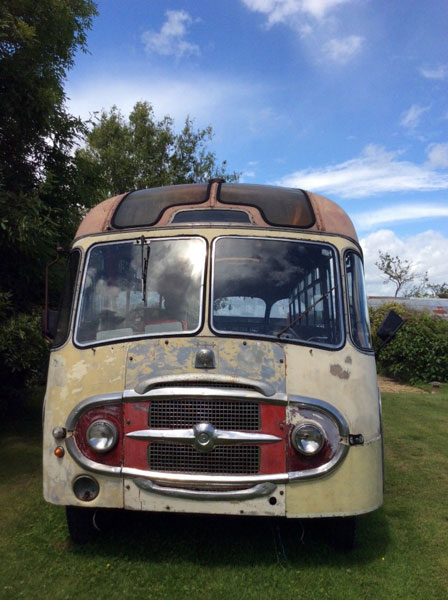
[343, 533]
[81, 524]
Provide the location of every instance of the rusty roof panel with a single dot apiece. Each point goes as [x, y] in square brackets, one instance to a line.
[268, 206]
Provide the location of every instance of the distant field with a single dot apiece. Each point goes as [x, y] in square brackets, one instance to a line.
[402, 550]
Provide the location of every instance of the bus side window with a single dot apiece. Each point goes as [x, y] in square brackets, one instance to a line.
[67, 299]
[357, 302]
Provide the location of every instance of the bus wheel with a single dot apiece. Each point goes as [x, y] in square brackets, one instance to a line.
[343, 533]
[81, 523]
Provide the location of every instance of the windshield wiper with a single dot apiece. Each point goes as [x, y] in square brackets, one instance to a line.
[145, 261]
[297, 319]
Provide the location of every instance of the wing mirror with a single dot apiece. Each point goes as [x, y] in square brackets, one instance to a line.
[388, 328]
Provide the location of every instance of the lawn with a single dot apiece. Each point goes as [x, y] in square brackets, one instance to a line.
[402, 548]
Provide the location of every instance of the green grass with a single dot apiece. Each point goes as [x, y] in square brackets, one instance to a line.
[402, 550]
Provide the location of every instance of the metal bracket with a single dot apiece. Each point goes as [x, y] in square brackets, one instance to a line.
[356, 439]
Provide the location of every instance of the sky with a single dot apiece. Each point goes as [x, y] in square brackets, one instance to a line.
[347, 98]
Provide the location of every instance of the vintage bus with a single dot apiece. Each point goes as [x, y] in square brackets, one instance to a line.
[212, 354]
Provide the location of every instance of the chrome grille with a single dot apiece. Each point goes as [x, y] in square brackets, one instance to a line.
[181, 414]
[222, 460]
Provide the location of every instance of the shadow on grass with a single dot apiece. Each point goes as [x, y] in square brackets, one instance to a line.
[222, 540]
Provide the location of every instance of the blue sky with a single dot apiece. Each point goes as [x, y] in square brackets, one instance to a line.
[348, 98]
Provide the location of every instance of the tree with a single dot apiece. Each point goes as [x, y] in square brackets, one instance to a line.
[46, 187]
[401, 272]
[439, 290]
[398, 271]
[38, 43]
[38, 207]
[140, 152]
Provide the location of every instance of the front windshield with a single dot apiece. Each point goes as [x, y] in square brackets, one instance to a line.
[128, 292]
[277, 288]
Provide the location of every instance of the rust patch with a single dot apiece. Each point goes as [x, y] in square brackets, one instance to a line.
[338, 371]
[348, 360]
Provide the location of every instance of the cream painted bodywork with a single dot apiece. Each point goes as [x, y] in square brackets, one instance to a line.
[344, 378]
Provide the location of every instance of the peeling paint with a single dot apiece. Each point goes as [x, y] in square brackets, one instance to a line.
[338, 371]
[78, 371]
[262, 361]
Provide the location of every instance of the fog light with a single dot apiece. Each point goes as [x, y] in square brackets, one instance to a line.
[308, 439]
[102, 436]
[86, 488]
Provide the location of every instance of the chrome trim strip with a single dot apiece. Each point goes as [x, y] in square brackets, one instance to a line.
[87, 463]
[259, 490]
[204, 436]
[205, 392]
[205, 480]
[147, 385]
[88, 403]
[306, 402]
[322, 470]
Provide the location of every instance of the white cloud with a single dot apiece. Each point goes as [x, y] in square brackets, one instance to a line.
[438, 155]
[374, 172]
[280, 11]
[440, 72]
[411, 117]
[316, 24]
[320, 8]
[399, 213]
[170, 95]
[343, 49]
[171, 38]
[426, 251]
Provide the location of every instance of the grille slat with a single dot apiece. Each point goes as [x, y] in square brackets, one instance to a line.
[180, 414]
[207, 384]
[222, 460]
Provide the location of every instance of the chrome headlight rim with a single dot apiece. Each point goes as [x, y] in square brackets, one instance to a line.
[306, 429]
[110, 435]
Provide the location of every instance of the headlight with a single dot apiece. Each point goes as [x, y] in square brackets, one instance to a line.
[102, 436]
[308, 439]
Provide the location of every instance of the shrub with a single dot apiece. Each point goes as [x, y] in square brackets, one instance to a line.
[419, 352]
[23, 354]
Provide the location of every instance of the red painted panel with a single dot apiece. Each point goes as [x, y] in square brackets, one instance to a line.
[135, 451]
[273, 455]
[298, 462]
[112, 413]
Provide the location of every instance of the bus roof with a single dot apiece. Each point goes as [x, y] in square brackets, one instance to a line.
[217, 201]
